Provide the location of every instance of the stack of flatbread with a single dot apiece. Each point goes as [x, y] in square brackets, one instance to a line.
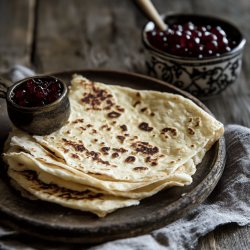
[119, 146]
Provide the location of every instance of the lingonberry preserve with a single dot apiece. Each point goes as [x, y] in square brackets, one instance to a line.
[192, 40]
[37, 92]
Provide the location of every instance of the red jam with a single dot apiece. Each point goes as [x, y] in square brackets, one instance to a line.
[37, 92]
[190, 40]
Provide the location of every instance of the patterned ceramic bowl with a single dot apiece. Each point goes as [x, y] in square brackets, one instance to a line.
[205, 77]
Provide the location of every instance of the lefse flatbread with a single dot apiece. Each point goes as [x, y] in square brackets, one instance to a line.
[85, 200]
[118, 141]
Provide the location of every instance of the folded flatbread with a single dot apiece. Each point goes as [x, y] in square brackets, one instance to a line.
[121, 142]
[84, 200]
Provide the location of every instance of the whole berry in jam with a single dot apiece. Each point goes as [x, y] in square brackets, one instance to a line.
[37, 92]
[190, 40]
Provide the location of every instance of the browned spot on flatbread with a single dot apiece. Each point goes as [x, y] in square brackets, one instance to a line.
[136, 103]
[143, 109]
[75, 156]
[120, 138]
[82, 128]
[139, 169]
[96, 157]
[115, 155]
[78, 121]
[145, 127]
[119, 108]
[107, 107]
[113, 114]
[124, 128]
[154, 163]
[120, 150]
[198, 122]
[173, 131]
[130, 159]
[109, 102]
[191, 131]
[104, 126]
[78, 147]
[145, 148]
[96, 97]
[105, 150]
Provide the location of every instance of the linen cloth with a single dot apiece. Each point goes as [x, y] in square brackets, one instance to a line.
[228, 203]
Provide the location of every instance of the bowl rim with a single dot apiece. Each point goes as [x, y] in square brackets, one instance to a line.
[236, 50]
[37, 108]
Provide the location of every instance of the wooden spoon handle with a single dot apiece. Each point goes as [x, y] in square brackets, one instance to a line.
[152, 13]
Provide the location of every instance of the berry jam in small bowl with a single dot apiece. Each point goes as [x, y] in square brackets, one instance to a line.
[38, 105]
[37, 92]
[199, 54]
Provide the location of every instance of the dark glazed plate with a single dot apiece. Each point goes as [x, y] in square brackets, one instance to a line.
[53, 222]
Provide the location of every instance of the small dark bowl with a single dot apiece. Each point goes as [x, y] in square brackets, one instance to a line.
[40, 120]
[205, 77]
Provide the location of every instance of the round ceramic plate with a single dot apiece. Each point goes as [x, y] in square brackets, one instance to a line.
[53, 222]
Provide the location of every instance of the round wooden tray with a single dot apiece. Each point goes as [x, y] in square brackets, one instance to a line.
[53, 222]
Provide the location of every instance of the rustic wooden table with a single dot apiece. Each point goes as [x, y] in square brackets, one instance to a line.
[61, 34]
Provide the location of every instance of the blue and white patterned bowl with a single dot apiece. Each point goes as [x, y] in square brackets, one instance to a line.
[205, 77]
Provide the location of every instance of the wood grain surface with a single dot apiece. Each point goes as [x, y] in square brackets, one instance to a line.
[61, 34]
[16, 28]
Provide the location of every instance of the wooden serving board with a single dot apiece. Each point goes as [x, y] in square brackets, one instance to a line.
[53, 222]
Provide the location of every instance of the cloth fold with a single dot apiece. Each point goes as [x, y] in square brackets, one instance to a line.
[18, 72]
[228, 203]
